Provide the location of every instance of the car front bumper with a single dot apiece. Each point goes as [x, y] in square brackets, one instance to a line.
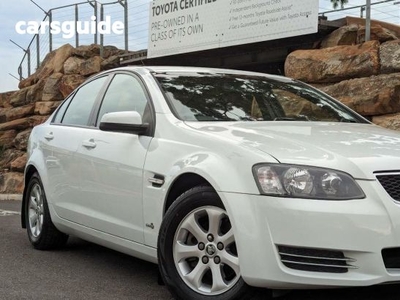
[359, 229]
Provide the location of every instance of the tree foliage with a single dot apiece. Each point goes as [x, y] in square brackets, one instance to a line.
[337, 3]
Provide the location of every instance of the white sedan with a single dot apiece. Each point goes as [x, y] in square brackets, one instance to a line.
[228, 180]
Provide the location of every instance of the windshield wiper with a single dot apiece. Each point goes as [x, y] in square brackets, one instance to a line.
[343, 120]
[298, 118]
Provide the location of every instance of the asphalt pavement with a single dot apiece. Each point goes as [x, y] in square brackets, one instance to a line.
[81, 270]
[84, 270]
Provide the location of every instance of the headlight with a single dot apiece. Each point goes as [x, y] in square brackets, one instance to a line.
[305, 182]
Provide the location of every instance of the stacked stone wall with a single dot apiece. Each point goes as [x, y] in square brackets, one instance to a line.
[363, 75]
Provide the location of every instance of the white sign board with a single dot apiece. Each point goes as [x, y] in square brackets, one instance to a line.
[180, 26]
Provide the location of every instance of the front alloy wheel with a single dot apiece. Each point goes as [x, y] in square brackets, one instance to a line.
[205, 252]
[197, 252]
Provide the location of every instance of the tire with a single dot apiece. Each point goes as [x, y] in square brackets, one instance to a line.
[42, 233]
[196, 249]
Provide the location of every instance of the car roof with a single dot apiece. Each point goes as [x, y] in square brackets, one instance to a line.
[179, 69]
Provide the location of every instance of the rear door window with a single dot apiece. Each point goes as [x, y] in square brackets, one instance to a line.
[80, 108]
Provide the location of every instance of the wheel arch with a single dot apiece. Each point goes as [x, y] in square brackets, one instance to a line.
[181, 184]
[29, 171]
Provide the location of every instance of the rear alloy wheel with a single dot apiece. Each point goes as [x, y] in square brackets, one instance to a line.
[197, 251]
[42, 233]
[35, 210]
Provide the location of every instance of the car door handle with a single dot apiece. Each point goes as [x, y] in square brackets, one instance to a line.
[49, 136]
[89, 144]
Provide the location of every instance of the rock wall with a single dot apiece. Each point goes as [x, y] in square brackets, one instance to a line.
[363, 75]
[60, 73]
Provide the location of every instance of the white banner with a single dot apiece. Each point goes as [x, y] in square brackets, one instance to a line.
[180, 26]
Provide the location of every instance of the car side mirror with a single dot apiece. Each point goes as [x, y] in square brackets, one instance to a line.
[123, 121]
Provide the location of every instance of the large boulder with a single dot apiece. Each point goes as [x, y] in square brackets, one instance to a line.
[22, 124]
[109, 51]
[376, 95]
[19, 124]
[355, 34]
[73, 65]
[54, 61]
[391, 121]
[390, 57]
[334, 64]
[35, 92]
[110, 63]
[51, 89]
[16, 113]
[345, 35]
[86, 52]
[27, 82]
[21, 139]
[76, 65]
[7, 138]
[69, 83]
[19, 98]
[18, 164]
[91, 66]
[5, 99]
[37, 120]
[7, 156]
[46, 108]
[11, 183]
[93, 50]
[377, 33]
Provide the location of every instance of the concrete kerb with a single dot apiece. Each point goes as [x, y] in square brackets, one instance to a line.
[10, 197]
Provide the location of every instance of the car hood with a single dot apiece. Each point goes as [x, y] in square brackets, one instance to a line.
[358, 149]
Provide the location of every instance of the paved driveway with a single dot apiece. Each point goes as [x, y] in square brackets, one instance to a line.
[86, 271]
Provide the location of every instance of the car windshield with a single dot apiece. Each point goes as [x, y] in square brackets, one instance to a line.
[232, 97]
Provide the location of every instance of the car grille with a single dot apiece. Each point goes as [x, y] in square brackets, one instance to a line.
[315, 260]
[391, 258]
[391, 183]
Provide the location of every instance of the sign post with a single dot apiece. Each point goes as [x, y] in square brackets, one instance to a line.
[368, 21]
